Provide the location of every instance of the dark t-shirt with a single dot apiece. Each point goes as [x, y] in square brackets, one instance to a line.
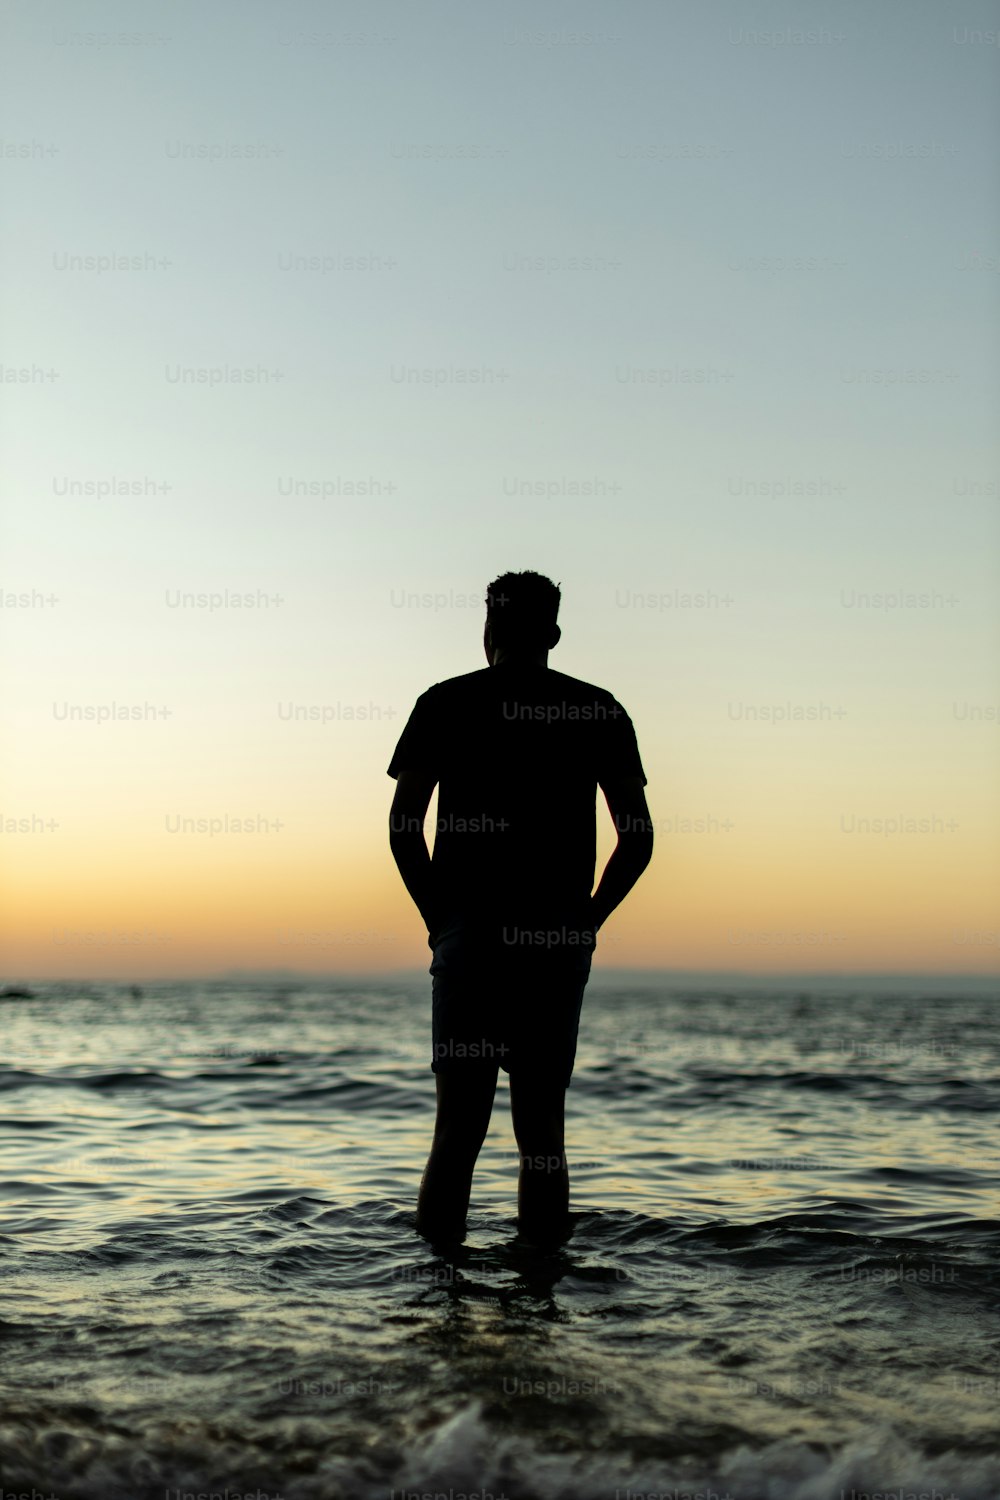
[518, 752]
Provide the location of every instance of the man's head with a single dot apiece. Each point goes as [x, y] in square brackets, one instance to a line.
[521, 610]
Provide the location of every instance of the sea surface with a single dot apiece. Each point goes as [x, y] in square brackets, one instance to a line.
[783, 1281]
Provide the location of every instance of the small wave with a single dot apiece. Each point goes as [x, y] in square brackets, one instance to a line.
[461, 1451]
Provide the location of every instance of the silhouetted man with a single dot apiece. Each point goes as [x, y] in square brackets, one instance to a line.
[517, 751]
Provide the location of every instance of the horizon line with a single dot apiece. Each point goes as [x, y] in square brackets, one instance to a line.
[264, 976]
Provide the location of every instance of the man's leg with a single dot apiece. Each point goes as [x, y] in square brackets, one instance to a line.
[464, 1105]
[537, 1105]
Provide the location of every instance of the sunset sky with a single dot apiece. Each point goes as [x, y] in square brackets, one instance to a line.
[690, 308]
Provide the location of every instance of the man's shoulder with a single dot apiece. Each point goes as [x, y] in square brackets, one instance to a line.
[580, 688]
[466, 682]
[548, 684]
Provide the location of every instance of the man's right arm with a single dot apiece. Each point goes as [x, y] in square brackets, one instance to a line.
[626, 799]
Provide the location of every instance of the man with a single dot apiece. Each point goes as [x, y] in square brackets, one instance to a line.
[517, 751]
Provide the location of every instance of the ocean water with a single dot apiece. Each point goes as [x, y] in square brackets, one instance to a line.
[782, 1282]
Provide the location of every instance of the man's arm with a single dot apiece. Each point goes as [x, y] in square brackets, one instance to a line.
[626, 801]
[407, 842]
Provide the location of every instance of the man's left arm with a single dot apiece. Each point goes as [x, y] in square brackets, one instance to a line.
[407, 842]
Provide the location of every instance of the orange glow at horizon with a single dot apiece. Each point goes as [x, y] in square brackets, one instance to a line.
[781, 901]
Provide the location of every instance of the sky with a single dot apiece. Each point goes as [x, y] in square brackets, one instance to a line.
[317, 319]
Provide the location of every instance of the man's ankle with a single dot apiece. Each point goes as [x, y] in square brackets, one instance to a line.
[544, 1233]
[439, 1229]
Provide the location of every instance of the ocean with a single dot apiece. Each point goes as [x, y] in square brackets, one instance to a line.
[782, 1281]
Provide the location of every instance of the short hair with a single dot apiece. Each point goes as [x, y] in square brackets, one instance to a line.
[521, 609]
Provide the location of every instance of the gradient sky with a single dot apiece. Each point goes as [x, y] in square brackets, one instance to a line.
[661, 260]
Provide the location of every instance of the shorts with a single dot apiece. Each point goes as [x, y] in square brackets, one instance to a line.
[518, 1008]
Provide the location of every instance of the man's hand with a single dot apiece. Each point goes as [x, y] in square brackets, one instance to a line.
[434, 921]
